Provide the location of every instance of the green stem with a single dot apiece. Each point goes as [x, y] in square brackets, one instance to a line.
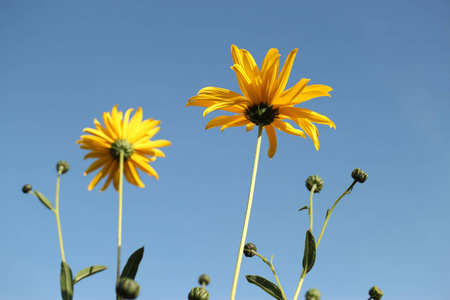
[247, 215]
[273, 271]
[300, 283]
[311, 207]
[56, 211]
[347, 191]
[119, 231]
[303, 274]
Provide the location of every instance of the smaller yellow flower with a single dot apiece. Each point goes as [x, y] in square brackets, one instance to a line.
[122, 134]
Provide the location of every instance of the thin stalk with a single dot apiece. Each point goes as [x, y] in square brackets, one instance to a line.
[300, 283]
[273, 271]
[247, 215]
[347, 191]
[58, 222]
[311, 207]
[303, 274]
[119, 231]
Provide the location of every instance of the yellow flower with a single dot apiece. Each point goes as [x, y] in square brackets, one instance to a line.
[264, 101]
[122, 134]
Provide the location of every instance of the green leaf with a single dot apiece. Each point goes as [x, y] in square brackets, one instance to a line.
[66, 282]
[86, 272]
[131, 268]
[266, 285]
[309, 256]
[304, 207]
[44, 200]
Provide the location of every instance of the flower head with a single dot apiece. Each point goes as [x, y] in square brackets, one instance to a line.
[120, 134]
[264, 100]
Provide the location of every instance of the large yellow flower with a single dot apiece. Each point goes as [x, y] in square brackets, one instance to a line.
[264, 101]
[122, 134]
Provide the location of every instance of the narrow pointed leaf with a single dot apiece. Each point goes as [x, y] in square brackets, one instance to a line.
[309, 256]
[266, 285]
[44, 200]
[131, 268]
[304, 207]
[66, 282]
[86, 272]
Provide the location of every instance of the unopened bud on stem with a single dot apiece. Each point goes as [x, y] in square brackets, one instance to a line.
[26, 188]
[62, 166]
[314, 179]
[248, 249]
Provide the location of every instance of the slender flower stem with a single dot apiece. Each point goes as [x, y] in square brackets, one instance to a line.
[247, 214]
[311, 207]
[300, 283]
[56, 211]
[273, 271]
[119, 231]
[303, 275]
[347, 191]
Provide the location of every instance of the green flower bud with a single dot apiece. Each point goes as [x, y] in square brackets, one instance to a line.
[248, 247]
[204, 279]
[127, 288]
[198, 293]
[375, 293]
[313, 294]
[62, 166]
[26, 188]
[359, 175]
[314, 179]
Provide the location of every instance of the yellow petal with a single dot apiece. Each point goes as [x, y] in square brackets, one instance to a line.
[222, 106]
[286, 127]
[98, 163]
[99, 134]
[282, 80]
[238, 122]
[142, 163]
[310, 129]
[103, 172]
[303, 113]
[222, 120]
[132, 175]
[289, 95]
[310, 92]
[113, 168]
[272, 136]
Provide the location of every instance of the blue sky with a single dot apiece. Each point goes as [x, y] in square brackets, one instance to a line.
[62, 64]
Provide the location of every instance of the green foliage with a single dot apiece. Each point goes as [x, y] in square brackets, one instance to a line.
[44, 200]
[132, 265]
[66, 282]
[86, 272]
[309, 256]
[266, 285]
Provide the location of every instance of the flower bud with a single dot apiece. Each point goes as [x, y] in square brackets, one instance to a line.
[198, 293]
[313, 294]
[62, 166]
[359, 175]
[314, 179]
[375, 293]
[247, 249]
[127, 288]
[204, 279]
[26, 188]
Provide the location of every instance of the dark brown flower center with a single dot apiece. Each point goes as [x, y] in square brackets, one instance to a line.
[261, 114]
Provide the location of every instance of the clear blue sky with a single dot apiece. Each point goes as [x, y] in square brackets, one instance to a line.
[62, 64]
